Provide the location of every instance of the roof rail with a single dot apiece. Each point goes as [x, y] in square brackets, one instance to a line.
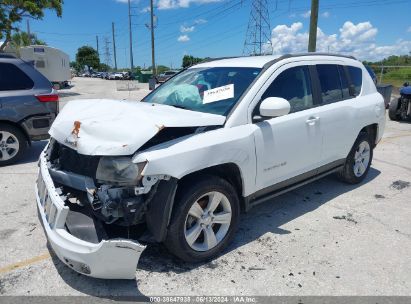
[320, 54]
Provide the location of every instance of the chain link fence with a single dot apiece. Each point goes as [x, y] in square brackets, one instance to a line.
[391, 74]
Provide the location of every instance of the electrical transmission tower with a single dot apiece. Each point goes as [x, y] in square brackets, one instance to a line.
[258, 37]
[107, 53]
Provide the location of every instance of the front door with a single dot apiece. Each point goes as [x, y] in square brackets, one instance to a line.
[290, 145]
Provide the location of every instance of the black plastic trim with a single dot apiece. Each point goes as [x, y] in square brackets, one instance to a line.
[290, 184]
[159, 209]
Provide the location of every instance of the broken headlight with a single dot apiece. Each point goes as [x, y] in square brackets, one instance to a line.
[119, 170]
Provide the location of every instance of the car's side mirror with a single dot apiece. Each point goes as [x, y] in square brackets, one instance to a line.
[274, 107]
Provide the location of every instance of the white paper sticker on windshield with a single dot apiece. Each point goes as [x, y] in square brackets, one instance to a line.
[219, 93]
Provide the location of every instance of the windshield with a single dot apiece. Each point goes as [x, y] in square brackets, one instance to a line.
[210, 90]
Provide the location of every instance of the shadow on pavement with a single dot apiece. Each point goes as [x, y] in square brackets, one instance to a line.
[264, 218]
[267, 217]
[33, 152]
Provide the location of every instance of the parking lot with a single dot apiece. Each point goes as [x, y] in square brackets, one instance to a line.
[326, 238]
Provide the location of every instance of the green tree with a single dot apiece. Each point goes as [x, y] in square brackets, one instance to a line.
[76, 66]
[12, 12]
[189, 60]
[104, 67]
[21, 39]
[87, 56]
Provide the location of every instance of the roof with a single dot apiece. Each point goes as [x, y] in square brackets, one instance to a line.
[259, 61]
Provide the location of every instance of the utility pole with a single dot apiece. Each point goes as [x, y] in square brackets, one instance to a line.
[153, 60]
[312, 40]
[258, 37]
[28, 31]
[114, 46]
[131, 36]
[97, 45]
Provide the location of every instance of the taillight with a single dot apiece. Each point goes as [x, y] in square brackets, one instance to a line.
[48, 98]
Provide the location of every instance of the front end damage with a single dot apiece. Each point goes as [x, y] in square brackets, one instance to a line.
[97, 205]
[95, 227]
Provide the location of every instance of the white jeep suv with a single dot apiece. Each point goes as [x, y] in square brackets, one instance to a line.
[217, 138]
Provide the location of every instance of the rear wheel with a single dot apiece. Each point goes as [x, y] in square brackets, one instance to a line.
[12, 144]
[393, 110]
[358, 161]
[204, 220]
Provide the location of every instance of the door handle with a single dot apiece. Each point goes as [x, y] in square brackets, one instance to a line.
[312, 120]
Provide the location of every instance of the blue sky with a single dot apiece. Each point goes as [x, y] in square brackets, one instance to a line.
[368, 28]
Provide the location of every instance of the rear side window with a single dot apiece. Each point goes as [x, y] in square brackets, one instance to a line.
[293, 85]
[12, 78]
[356, 78]
[330, 82]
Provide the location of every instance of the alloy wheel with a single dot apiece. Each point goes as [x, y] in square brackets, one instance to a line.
[208, 221]
[9, 145]
[361, 158]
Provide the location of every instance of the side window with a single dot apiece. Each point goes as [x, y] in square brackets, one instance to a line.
[344, 82]
[12, 78]
[329, 77]
[293, 85]
[356, 78]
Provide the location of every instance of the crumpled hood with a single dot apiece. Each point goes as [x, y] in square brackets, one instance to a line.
[114, 127]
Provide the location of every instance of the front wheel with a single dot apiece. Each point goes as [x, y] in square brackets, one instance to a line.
[358, 161]
[204, 220]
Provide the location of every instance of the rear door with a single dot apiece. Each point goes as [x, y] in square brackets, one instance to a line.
[336, 111]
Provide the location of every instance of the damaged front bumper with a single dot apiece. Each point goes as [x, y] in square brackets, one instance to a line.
[109, 259]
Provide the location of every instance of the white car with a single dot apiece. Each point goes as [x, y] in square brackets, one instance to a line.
[178, 167]
[116, 76]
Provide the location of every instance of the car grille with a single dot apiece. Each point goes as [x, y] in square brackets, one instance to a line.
[68, 159]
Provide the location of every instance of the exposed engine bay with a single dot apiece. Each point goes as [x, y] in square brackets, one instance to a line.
[75, 177]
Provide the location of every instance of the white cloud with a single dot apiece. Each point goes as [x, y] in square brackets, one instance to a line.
[172, 4]
[183, 38]
[353, 39]
[187, 29]
[307, 14]
[200, 21]
[325, 14]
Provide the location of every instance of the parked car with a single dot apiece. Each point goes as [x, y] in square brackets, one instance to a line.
[103, 75]
[116, 76]
[28, 106]
[178, 167]
[165, 76]
[400, 109]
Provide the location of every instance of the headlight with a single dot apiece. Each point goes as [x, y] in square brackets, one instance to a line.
[119, 170]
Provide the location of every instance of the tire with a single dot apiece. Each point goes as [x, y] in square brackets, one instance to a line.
[13, 144]
[393, 110]
[184, 226]
[353, 172]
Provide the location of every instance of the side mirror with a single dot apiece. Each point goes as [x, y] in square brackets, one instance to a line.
[274, 107]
